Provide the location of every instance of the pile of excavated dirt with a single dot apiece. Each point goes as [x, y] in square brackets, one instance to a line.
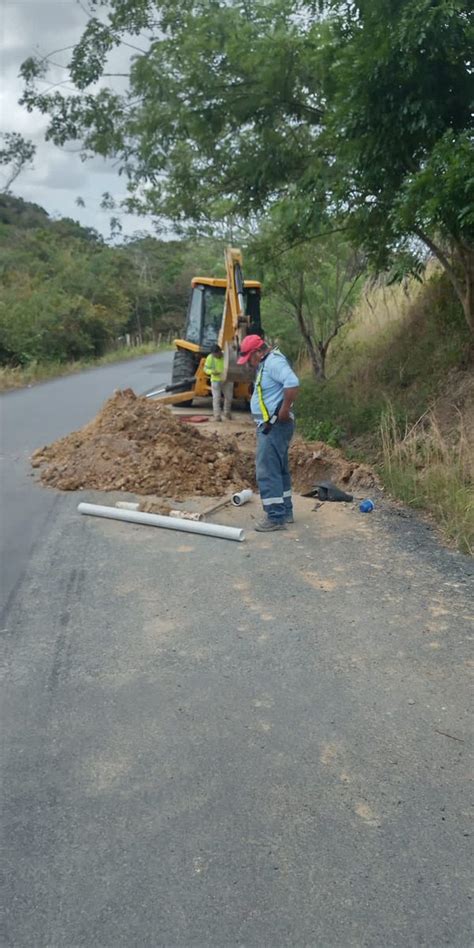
[317, 461]
[137, 445]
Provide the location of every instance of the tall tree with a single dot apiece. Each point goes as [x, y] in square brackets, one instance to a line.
[401, 86]
[314, 285]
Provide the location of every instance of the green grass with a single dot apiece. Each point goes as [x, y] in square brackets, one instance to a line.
[42, 371]
[330, 412]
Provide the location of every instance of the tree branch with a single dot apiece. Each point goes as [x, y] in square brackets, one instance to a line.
[304, 240]
[344, 301]
[441, 256]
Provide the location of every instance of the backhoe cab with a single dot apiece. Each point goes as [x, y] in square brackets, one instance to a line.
[219, 311]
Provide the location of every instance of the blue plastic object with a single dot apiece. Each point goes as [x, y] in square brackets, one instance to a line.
[366, 506]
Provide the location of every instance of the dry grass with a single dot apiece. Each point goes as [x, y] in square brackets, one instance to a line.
[425, 468]
[382, 310]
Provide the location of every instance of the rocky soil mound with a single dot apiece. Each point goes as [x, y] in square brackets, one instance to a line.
[315, 461]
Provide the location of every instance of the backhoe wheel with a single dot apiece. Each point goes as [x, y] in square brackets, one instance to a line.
[184, 367]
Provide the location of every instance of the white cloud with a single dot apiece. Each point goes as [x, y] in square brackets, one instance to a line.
[59, 176]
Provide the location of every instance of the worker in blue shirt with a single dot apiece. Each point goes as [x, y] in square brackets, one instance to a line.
[276, 388]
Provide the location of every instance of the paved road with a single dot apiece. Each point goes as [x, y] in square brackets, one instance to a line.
[35, 416]
[215, 744]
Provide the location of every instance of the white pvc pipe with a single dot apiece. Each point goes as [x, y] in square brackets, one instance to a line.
[242, 497]
[169, 523]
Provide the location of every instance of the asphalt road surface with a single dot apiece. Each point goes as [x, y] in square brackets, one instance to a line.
[35, 416]
[208, 743]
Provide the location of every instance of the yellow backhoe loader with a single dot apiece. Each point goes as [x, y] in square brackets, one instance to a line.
[220, 311]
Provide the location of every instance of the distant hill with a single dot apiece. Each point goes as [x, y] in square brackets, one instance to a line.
[15, 212]
[20, 213]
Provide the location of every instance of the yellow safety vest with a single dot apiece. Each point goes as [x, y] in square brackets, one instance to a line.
[214, 366]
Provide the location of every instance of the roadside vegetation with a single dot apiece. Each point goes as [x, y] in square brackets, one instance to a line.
[400, 395]
[69, 299]
[433, 470]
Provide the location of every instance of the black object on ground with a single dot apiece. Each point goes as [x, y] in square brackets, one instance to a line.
[326, 490]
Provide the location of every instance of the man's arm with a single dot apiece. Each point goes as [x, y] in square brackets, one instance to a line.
[289, 396]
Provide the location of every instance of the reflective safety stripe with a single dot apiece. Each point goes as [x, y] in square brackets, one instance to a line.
[266, 501]
[258, 386]
[287, 493]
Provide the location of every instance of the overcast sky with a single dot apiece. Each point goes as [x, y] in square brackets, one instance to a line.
[58, 176]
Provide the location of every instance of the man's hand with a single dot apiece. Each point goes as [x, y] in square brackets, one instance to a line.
[284, 413]
[289, 395]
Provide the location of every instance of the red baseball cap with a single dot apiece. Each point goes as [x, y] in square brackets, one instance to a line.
[249, 344]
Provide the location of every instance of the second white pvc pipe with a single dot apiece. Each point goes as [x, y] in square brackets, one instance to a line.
[169, 523]
[242, 497]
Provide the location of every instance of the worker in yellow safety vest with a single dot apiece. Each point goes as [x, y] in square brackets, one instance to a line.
[214, 368]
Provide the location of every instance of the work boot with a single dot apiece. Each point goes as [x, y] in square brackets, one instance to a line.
[289, 518]
[268, 526]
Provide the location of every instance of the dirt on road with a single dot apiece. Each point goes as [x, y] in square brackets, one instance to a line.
[136, 445]
[139, 446]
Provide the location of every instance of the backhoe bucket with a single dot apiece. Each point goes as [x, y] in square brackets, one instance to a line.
[232, 371]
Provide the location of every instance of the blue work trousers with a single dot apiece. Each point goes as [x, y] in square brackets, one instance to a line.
[273, 472]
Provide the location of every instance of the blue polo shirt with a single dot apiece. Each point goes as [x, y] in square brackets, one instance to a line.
[275, 375]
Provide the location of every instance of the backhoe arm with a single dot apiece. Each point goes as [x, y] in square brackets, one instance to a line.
[234, 321]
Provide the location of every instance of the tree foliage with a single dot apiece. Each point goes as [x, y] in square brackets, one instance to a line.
[313, 286]
[59, 299]
[353, 111]
[66, 295]
[17, 153]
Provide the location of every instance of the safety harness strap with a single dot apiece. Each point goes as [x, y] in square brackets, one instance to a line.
[261, 402]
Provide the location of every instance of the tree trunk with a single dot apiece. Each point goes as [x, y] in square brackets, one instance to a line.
[323, 351]
[139, 322]
[311, 347]
[466, 255]
[463, 284]
[318, 370]
[312, 351]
